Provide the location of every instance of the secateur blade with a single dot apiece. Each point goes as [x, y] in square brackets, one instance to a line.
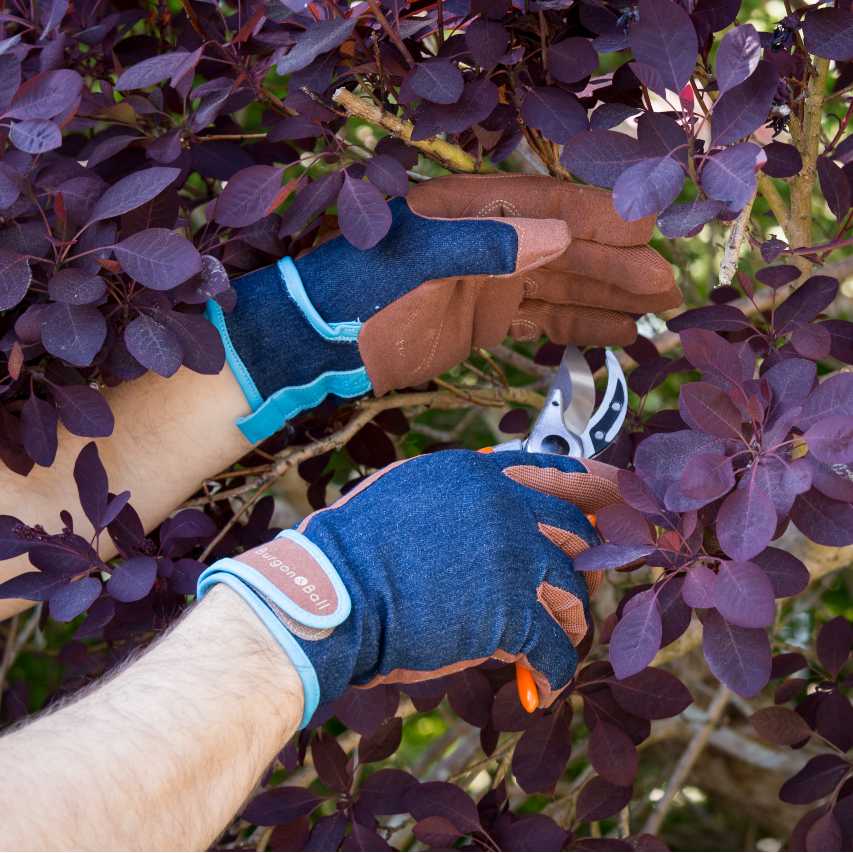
[566, 425]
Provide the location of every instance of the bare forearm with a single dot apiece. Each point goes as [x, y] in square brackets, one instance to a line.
[170, 434]
[163, 755]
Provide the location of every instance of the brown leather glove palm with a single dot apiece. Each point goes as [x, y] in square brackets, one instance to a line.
[581, 275]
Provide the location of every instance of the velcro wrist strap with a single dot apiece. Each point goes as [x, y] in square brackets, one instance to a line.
[296, 592]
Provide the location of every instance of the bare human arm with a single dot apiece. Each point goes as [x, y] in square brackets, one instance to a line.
[163, 755]
[170, 434]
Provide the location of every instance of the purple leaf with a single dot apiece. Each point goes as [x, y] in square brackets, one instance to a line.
[811, 341]
[444, 800]
[363, 213]
[647, 187]
[153, 345]
[152, 70]
[714, 356]
[541, 755]
[831, 439]
[70, 601]
[132, 191]
[823, 520]
[787, 574]
[185, 576]
[834, 482]
[46, 95]
[436, 832]
[833, 644]
[12, 542]
[652, 694]
[780, 725]
[834, 396]
[607, 116]
[661, 458]
[132, 579]
[739, 657]
[294, 127]
[636, 494]
[746, 521]
[470, 695]
[382, 743]
[744, 108]
[791, 380]
[36, 135]
[729, 175]
[83, 410]
[698, 590]
[600, 156]
[829, 33]
[609, 556]
[158, 258]
[612, 754]
[38, 426]
[319, 38]
[622, 524]
[92, 487]
[383, 792]
[708, 476]
[601, 799]
[572, 59]
[200, 342]
[363, 838]
[737, 57]
[534, 832]
[825, 834]
[778, 276]
[365, 710]
[637, 636]
[707, 408]
[330, 762]
[783, 160]
[74, 333]
[478, 100]
[685, 220]
[311, 200]
[32, 586]
[438, 80]
[834, 186]
[660, 135]
[75, 287]
[665, 39]
[743, 595]
[487, 41]
[280, 805]
[649, 77]
[817, 779]
[116, 504]
[249, 196]
[388, 174]
[15, 279]
[557, 114]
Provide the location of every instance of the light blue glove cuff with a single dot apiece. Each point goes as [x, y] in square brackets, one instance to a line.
[268, 416]
[272, 607]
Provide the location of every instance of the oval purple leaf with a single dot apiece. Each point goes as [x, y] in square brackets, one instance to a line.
[665, 39]
[15, 278]
[729, 175]
[158, 258]
[698, 589]
[647, 187]
[153, 345]
[437, 80]
[35, 136]
[132, 579]
[737, 57]
[557, 114]
[746, 521]
[363, 213]
[75, 287]
[739, 657]
[744, 108]
[572, 59]
[637, 636]
[132, 191]
[83, 410]
[600, 156]
[70, 601]
[74, 333]
[38, 428]
[744, 596]
[249, 196]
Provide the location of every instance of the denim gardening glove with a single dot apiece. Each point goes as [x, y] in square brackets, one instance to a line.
[468, 259]
[429, 566]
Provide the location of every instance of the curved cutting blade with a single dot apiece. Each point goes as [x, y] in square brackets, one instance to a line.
[574, 379]
[605, 424]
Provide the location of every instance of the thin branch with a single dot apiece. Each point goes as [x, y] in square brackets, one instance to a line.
[391, 32]
[688, 759]
[731, 254]
[450, 156]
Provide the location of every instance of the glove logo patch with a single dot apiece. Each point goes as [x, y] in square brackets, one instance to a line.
[296, 574]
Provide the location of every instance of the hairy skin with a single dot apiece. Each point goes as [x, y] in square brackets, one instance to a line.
[170, 434]
[162, 755]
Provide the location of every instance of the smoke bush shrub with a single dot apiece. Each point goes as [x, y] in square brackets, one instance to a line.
[153, 151]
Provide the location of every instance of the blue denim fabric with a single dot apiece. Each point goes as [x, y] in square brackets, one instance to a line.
[280, 348]
[442, 557]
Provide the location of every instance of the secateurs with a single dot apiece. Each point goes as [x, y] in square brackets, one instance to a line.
[570, 425]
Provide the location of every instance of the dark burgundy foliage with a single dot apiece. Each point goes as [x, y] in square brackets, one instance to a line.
[152, 155]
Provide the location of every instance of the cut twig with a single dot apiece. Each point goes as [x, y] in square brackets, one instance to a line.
[450, 156]
[731, 254]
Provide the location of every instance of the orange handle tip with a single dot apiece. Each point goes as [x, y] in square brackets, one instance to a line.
[590, 517]
[528, 694]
